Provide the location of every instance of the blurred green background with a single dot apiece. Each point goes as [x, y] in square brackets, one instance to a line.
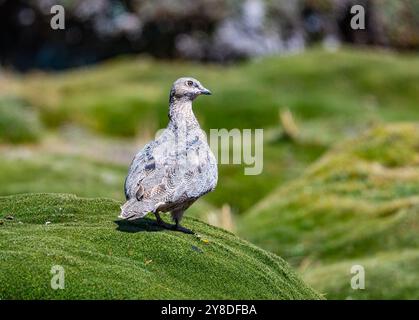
[339, 109]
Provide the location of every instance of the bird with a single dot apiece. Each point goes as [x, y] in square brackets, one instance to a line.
[177, 168]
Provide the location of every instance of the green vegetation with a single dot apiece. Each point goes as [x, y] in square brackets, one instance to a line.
[18, 122]
[326, 200]
[42, 172]
[357, 205]
[122, 97]
[39, 172]
[106, 258]
[331, 94]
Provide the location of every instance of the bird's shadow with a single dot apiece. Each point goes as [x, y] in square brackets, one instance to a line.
[146, 225]
[139, 225]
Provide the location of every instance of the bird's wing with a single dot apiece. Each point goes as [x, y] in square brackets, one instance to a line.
[202, 177]
[191, 174]
[160, 174]
[142, 165]
[151, 170]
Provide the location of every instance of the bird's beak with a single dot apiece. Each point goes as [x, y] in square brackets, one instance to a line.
[205, 91]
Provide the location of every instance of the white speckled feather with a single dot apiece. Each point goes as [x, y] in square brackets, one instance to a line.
[177, 168]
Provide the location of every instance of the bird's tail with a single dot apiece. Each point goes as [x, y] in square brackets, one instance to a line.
[133, 209]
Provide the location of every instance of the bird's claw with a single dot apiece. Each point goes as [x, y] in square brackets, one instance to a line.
[182, 229]
[174, 227]
[163, 224]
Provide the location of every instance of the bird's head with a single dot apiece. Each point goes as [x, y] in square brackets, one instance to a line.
[187, 88]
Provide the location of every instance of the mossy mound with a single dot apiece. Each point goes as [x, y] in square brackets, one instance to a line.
[106, 258]
[358, 204]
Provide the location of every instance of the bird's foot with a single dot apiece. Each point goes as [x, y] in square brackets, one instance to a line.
[163, 224]
[179, 228]
[175, 227]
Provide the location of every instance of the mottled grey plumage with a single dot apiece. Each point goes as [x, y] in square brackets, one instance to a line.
[173, 171]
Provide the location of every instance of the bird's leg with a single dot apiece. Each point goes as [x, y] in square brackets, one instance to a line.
[158, 218]
[178, 227]
[160, 221]
[177, 215]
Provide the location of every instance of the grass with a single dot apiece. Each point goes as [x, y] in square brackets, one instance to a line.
[106, 258]
[34, 172]
[358, 203]
[332, 95]
[38, 171]
[19, 123]
[123, 96]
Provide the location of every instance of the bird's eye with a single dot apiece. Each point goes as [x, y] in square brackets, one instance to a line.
[189, 83]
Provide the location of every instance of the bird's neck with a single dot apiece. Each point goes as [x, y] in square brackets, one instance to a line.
[181, 113]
